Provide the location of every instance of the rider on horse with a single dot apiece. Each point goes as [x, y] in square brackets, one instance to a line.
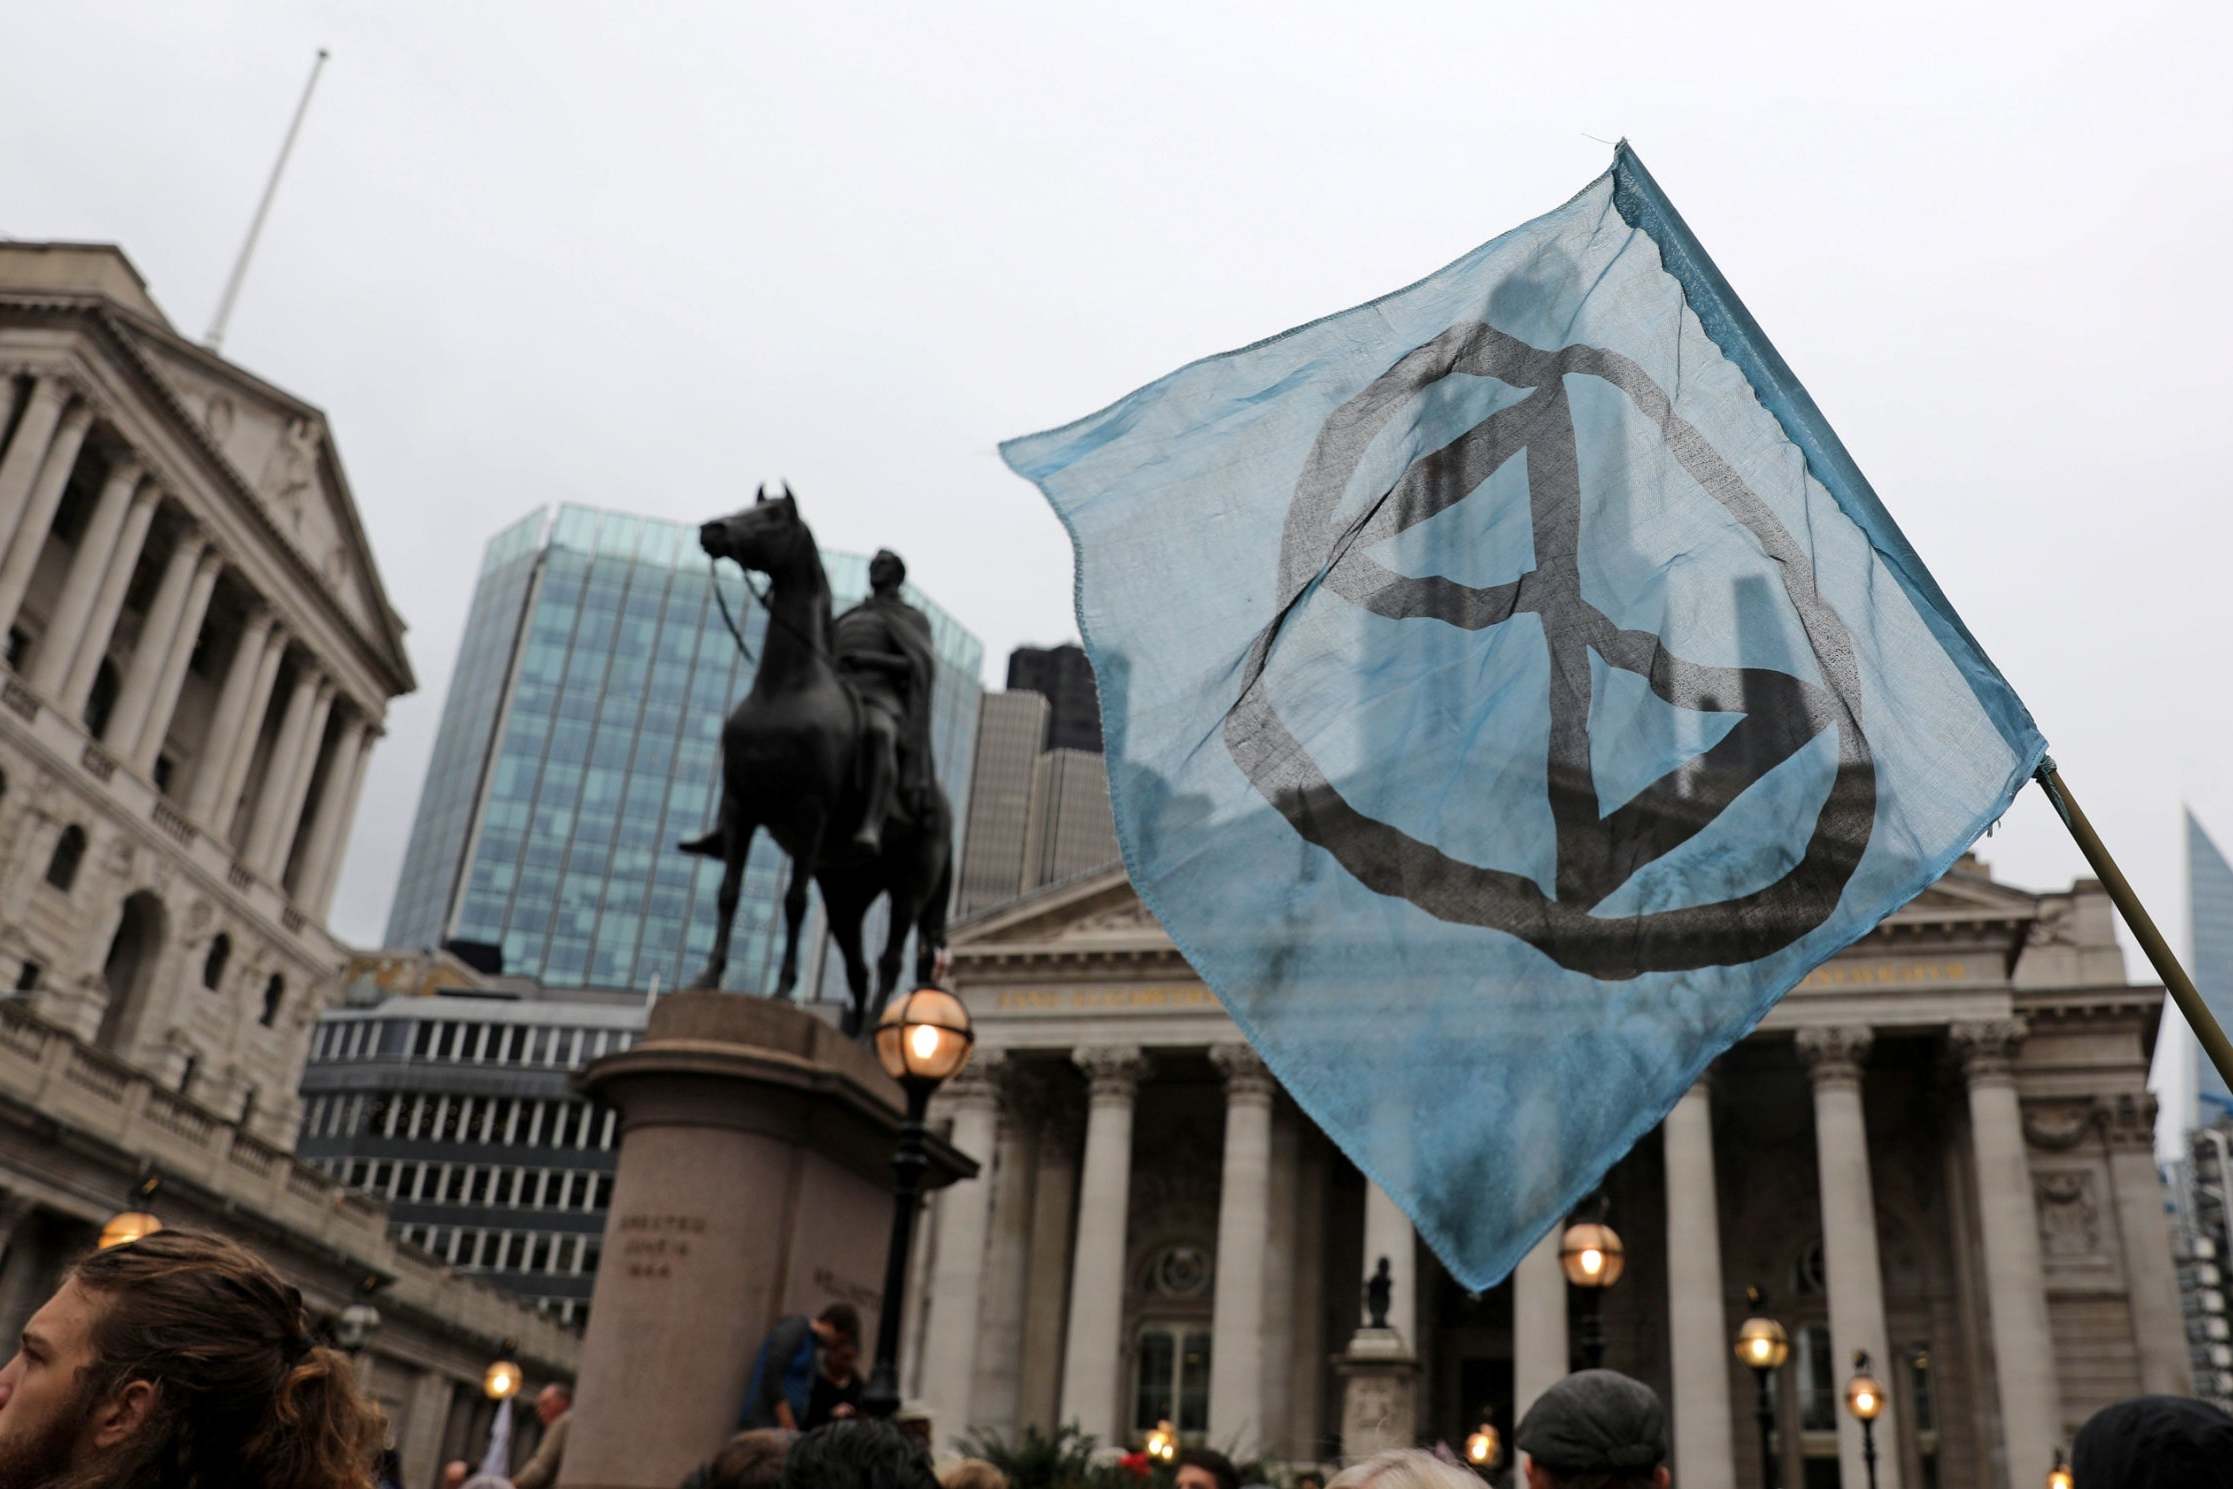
[883, 648]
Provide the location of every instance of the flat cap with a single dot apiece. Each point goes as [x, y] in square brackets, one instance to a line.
[1595, 1421]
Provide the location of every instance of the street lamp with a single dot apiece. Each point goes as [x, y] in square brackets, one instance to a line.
[922, 1041]
[1593, 1258]
[1163, 1443]
[1864, 1397]
[1484, 1445]
[501, 1381]
[1763, 1346]
[138, 1219]
[2059, 1477]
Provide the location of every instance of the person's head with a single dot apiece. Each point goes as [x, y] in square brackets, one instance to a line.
[857, 1453]
[2152, 1442]
[838, 1327]
[454, 1473]
[180, 1358]
[886, 572]
[751, 1460]
[972, 1473]
[1596, 1429]
[553, 1401]
[1405, 1468]
[1205, 1468]
[1310, 1478]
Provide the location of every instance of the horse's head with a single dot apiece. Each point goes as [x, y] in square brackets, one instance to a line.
[764, 536]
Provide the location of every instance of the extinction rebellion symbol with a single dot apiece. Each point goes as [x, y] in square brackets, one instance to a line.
[1596, 854]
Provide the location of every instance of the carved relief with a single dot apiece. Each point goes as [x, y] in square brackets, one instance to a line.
[1129, 916]
[217, 417]
[2052, 927]
[287, 474]
[2131, 1122]
[2069, 1215]
[2060, 1126]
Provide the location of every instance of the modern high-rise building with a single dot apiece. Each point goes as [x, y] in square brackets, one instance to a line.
[1010, 729]
[1071, 829]
[2209, 888]
[1063, 676]
[581, 739]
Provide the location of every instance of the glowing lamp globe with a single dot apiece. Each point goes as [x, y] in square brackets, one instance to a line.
[924, 1036]
[1482, 1446]
[502, 1381]
[1762, 1344]
[1592, 1255]
[1864, 1394]
[1163, 1443]
[2059, 1476]
[128, 1227]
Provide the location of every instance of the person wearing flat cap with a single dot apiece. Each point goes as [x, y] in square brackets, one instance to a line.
[1596, 1429]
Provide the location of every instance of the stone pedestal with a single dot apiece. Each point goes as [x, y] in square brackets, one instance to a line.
[754, 1181]
[1379, 1394]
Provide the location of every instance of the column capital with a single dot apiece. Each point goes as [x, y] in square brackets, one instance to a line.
[1835, 1052]
[972, 1085]
[1247, 1077]
[1113, 1071]
[1987, 1048]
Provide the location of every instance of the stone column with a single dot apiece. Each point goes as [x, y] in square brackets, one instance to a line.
[156, 728]
[1388, 1234]
[321, 898]
[2015, 1278]
[108, 602]
[1094, 1352]
[273, 804]
[420, 1442]
[324, 841]
[1538, 1323]
[27, 451]
[1243, 1227]
[245, 682]
[289, 822]
[950, 1334]
[2158, 1325]
[993, 1398]
[30, 537]
[1855, 1276]
[1697, 1330]
[58, 644]
[1054, 1196]
[151, 654]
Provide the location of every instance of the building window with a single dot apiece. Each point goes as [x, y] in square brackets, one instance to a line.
[101, 702]
[69, 849]
[275, 992]
[186, 1074]
[165, 769]
[1818, 1380]
[248, 1107]
[27, 976]
[213, 965]
[1172, 1379]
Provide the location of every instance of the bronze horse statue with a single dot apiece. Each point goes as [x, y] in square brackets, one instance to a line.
[796, 760]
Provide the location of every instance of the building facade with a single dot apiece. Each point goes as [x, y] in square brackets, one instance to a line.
[1071, 829]
[1063, 676]
[1010, 727]
[2209, 888]
[457, 1109]
[2202, 1179]
[1938, 1147]
[581, 739]
[199, 655]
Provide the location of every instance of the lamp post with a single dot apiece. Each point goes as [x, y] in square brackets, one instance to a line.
[2059, 1477]
[138, 1219]
[1483, 1446]
[922, 1040]
[1864, 1397]
[1763, 1346]
[1593, 1258]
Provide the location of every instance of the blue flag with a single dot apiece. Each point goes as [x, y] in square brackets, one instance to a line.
[1511, 689]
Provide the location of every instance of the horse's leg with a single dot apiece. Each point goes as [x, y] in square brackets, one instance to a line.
[887, 965]
[930, 926]
[794, 901]
[845, 930]
[736, 843]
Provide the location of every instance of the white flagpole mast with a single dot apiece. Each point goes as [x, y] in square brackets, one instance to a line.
[216, 336]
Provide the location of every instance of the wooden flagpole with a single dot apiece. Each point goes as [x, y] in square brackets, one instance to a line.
[2175, 980]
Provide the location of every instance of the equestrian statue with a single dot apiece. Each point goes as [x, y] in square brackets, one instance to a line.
[830, 753]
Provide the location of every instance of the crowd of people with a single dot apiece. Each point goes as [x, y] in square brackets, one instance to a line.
[181, 1361]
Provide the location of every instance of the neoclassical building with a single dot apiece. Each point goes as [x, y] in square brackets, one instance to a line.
[1937, 1149]
[198, 655]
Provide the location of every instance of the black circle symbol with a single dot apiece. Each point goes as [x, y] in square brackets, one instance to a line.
[1596, 854]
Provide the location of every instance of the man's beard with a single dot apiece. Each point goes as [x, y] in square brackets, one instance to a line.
[44, 1459]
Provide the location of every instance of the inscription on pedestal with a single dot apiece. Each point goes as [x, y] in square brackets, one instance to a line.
[651, 1245]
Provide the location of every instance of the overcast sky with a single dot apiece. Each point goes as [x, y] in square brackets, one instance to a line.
[645, 256]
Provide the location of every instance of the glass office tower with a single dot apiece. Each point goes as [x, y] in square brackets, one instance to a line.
[581, 739]
[2209, 888]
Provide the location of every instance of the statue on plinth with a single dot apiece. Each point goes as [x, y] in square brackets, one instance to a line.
[1380, 1292]
[830, 752]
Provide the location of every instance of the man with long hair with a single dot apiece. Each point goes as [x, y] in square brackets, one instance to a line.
[180, 1361]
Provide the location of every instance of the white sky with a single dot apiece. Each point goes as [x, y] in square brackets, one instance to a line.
[646, 256]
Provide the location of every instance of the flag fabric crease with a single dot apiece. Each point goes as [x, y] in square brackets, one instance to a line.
[1511, 689]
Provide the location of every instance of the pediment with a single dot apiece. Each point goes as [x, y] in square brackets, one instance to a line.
[283, 456]
[1097, 911]
[1967, 891]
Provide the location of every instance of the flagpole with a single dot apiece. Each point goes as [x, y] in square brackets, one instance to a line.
[2166, 964]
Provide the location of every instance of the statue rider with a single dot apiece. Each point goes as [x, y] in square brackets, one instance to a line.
[883, 648]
